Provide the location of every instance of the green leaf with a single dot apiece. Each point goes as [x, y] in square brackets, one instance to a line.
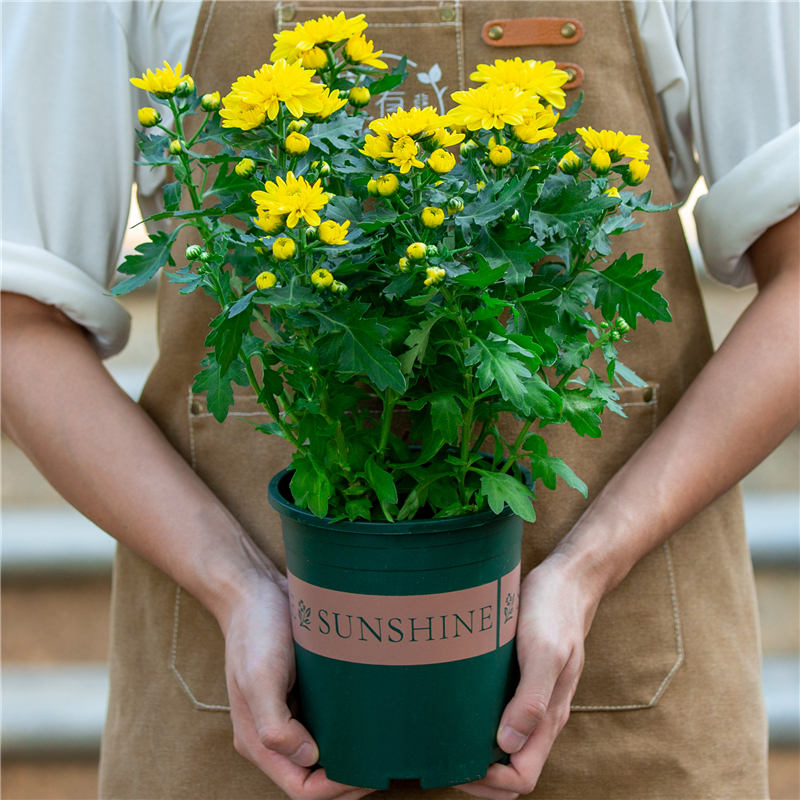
[417, 342]
[358, 342]
[337, 134]
[383, 485]
[624, 289]
[540, 399]
[582, 412]
[145, 262]
[391, 80]
[172, 196]
[226, 336]
[497, 365]
[547, 468]
[358, 507]
[599, 389]
[310, 485]
[446, 415]
[486, 208]
[627, 374]
[289, 296]
[521, 256]
[217, 385]
[484, 276]
[500, 489]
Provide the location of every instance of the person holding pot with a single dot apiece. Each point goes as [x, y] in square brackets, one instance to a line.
[637, 638]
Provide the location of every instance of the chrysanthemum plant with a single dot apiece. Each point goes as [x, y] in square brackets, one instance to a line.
[386, 302]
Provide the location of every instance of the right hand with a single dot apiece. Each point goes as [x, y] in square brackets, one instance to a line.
[260, 671]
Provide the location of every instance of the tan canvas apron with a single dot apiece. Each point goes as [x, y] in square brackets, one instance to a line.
[669, 704]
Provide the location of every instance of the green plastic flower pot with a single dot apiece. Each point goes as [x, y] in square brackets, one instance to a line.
[404, 639]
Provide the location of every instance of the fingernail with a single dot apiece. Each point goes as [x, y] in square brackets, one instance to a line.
[306, 755]
[510, 740]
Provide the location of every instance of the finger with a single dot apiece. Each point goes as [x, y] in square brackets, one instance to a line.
[481, 789]
[318, 786]
[528, 707]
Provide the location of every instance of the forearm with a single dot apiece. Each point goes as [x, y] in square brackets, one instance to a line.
[738, 409]
[106, 456]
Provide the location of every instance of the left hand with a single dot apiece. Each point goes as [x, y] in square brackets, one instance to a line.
[556, 611]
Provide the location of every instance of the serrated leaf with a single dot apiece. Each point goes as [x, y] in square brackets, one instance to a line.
[172, 195]
[217, 385]
[547, 468]
[627, 374]
[484, 276]
[497, 365]
[500, 489]
[622, 288]
[599, 389]
[382, 484]
[148, 259]
[291, 295]
[446, 416]
[337, 134]
[311, 488]
[581, 411]
[417, 342]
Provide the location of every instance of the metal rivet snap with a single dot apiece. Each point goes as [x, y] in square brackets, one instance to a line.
[568, 30]
[647, 394]
[571, 74]
[448, 14]
[496, 32]
[197, 408]
[287, 14]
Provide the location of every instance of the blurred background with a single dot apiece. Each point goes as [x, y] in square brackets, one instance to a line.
[56, 584]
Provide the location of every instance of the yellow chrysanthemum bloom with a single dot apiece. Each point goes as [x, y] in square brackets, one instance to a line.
[359, 96]
[284, 248]
[637, 172]
[441, 162]
[266, 89]
[242, 116]
[148, 117]
[617, 144]
[416, 251]
[321, 278]
[500, 155]
[162, 83]
[307, 35]
[359, 51]
[388, 184]
[315, 58]
[245, 168]
[538, 128]
[266, 280]
[491, 106]
[612, 192]
[435, 275]
[441, 138]
[432, 217]
[600, 162]
[331, 232]
[540, 77]
[404, 154]
[296, 144]
[294, 197]
[571, 163]
[330, 101]
[269, 223]
[408, 123]
[377, 147]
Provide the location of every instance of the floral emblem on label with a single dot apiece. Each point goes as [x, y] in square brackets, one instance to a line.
[508, 610]
[304, 615]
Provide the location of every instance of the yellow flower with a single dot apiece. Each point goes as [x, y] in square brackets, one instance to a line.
[372, 187]
[295, 197]
[500, 155]
[359, 96]
[331, 232]
[266, 280]
[284, 248]
[321, 278]
[637, 172]
[315, 58]
[388, 184]
[416, 251]
[491, 106]
[617, 144]
[307, 35]
[265, 90]
[148, 117]
[408, 123]
[269, 223]
[432, 217]
[210, 102]
[601, 162]
[540, 77]
[612, 192]
[571, 163]
[185, 87]
[404, 154]
[175, 147]
[479, 185]
[402, 264]
[162, 83]
[441, 162]
[359, 51]
[454, 205]
[435, 275]
[377, 147]
[296, 144]
[538, 128]
[330, 101]
[441, 137]
[245, 168]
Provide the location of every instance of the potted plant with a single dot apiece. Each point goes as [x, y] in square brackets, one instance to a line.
[409, 322]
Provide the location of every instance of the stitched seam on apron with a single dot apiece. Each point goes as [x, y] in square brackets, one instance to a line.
[195, 701]
[203, 35]
[191, 430]
[678, 643]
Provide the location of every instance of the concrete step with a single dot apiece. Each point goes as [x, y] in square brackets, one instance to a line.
[61, 540]
[60, 710]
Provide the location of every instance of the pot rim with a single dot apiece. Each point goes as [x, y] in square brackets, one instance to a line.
[415, 526]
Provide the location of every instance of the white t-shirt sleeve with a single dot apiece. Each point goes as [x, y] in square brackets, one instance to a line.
[728, 79]
[68, 142]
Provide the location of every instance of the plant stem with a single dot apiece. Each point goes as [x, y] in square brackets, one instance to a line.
[512, 456]
[389, 402]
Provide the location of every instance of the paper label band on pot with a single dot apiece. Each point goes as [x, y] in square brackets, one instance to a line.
[405, 629]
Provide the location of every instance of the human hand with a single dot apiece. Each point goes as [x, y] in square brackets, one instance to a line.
[555, 614]
[260, 670]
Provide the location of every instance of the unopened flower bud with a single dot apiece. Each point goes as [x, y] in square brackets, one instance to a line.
[388, 184]
[622, 325]
[311, 233]
[571, 163]
[441, 162]
[322, 167]
[359, 96]
[297, 125]
[205, 256]
[283, 248]
[402, 264]
[266, 280]
[470, 146]
[416, 251]
[193, 252]
[615, 336]
[148, 117]
[600, 161]
[432, 217]
[337, 287]
[480, 185]
[321, 278]
[612, 192]
[454, 205]
[372, 187]
[245, 168]
[515, 215]
[210, 102]
[500, 155]
[314, 59]
[175, 147]
[296, 144]
[185, 87]
[435, 275]
[637, 172]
